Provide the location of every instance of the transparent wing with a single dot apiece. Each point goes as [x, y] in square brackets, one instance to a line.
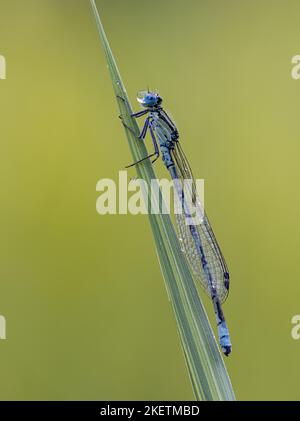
[212, 252]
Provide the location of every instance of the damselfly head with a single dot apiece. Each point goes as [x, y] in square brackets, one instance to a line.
[149, 99]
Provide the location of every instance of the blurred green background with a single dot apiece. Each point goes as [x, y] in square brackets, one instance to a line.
[86, 307]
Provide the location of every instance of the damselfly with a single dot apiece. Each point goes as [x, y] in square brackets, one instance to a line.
[198, 240]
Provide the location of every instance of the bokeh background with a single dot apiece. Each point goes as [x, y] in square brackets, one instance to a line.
[86, 307]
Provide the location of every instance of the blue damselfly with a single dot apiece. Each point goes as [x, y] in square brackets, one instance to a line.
[198, 240]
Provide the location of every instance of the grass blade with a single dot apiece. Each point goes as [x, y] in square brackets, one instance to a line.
[205, 364]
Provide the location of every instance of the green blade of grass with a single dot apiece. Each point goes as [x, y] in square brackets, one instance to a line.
[205, 364]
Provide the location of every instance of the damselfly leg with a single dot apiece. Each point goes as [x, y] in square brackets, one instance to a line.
[156, 148]
[139, 113]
